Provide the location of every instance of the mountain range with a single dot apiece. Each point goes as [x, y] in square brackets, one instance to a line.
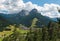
[24, 17]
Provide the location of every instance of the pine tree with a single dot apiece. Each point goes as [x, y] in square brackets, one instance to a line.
[58, 28]
[45, 36]
[35, 35]
[34, 21]
[54, 35]
[52, 29]
[29, 36]
[38, 34]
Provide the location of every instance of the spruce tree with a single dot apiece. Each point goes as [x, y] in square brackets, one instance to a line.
[58, 28]
[52, 29]
[34, 21]
[38, 34]
[45, 36]
[29, 36]
[54, 35]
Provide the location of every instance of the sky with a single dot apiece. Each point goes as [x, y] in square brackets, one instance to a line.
[47, 8]
[42, 2]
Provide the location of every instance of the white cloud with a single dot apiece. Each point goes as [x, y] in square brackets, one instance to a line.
[15, 6]
[51, 10]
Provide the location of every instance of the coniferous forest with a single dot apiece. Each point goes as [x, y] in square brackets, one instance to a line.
[32, 33]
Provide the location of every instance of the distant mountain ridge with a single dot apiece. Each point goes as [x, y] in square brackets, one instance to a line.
[24, 17]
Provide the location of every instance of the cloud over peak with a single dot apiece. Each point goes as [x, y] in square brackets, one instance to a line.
[15, 6]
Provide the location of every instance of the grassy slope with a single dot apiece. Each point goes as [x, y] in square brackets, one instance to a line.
[7, 33]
